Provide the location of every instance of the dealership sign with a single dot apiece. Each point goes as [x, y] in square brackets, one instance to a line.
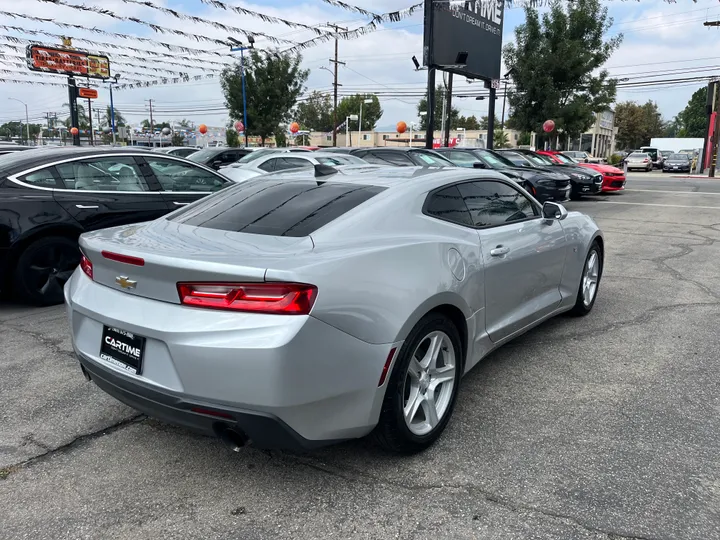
[67, 62]
[465, 37]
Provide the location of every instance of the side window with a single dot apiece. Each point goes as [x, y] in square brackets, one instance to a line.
[448, 204]
[291, 163]
[41, 178]
[495, 203]
[103, 174]
[269, 165]
[178, 176]
[229, 157]
[464, 159]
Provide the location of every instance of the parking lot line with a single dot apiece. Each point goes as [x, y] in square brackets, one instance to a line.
[664, 205]
[673, 191]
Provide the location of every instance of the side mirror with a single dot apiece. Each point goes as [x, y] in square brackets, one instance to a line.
[479, 165]
[217, 163]
[553, 210]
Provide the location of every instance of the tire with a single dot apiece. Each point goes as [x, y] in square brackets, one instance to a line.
[43, 268]
[582, 305]
[394, 432]
[575, 196]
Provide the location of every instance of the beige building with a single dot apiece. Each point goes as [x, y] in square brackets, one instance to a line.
[370, 139]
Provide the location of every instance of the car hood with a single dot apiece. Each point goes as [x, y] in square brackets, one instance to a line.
[601, 168]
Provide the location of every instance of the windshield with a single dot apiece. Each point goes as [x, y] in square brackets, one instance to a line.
[563, 159]
[201, 156]
[431, 159]
[537, 159]
[679, 157]
[496, 161]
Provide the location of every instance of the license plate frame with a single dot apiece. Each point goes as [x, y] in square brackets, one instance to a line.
[122, 349]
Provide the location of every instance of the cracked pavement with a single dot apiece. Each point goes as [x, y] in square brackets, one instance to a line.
[604, 427]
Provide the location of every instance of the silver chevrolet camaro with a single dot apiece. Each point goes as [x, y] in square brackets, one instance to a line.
[304, 308]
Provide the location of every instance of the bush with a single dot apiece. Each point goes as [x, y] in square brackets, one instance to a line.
[615, 159]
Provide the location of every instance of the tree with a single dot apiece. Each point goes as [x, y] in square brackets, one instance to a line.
[371, 112]
[119, 118]
[156, 125]
[485, 122]
[524, 139]
[500, 139]
[273, 83]
[693, 118]
[437, 117]
[231, 137]
[637, 124]
[468, 123]
[556, 64]
[315, 113]
[184, 123]
[177, 139]
[280, 138]
[82, 118]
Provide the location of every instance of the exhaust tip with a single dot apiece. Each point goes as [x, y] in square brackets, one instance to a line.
[233, 438]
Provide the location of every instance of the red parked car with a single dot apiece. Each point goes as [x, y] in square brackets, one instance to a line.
[613, 178]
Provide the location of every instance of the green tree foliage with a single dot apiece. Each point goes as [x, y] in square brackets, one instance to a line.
[371, 112]
[693, 118]
[231, 137]
[280, 138]
[273, 83]
[469, 122]
[177, 139]
[637, 124]
[119, 118]
[156, 125]
[524, 139]
[184, 123]
[437, 117]
[315, 113]
[484, 122]
[82, 117]
[500, 139]
[17, 130]
[557, 61]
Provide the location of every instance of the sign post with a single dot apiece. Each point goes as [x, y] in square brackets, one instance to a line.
[74, 120]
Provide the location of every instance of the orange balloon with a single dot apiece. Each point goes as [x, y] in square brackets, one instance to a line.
[202, 128]
[294, 127]
[401, 127]
[74, 131]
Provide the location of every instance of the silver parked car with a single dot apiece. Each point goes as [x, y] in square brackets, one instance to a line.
[257, 164]
[295, 310]
[639, 160]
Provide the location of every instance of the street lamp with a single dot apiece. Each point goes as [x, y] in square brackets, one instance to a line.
[112, 106]
[240, 47]
[347, 128]
[360, 122]
[27, 121]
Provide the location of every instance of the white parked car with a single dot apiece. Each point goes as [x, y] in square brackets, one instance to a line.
[259, 163]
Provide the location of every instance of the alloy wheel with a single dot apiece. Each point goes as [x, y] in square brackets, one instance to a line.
[429, 383]
[590, 278]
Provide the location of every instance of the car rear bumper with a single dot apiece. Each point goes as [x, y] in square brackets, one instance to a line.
[303, 381]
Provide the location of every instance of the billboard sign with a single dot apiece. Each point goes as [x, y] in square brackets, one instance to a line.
[87, 93]
[465, 27]
[67, 62]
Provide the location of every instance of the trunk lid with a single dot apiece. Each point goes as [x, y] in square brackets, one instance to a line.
[172, 252]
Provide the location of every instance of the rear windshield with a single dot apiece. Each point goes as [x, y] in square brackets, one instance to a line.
[201, 156]
[639, 155]
[277, 208]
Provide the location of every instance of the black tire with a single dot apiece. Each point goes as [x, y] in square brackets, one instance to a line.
[575, 196]
[392, 431]
[43, 268]
[581, 308]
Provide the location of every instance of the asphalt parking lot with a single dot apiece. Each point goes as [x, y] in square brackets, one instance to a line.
[604, 427]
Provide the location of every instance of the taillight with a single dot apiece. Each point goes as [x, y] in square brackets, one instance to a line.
[125, 259]
[645, 160]
[86, 266]
[274, 298]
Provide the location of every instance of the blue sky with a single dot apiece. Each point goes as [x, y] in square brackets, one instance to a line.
[658, 36]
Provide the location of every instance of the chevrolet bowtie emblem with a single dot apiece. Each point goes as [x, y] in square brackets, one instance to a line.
[125, 283]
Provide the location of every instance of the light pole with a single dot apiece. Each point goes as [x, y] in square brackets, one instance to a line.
[348, 142]
[240, 47]
[112, 106]
[360, 122]
[27, 120]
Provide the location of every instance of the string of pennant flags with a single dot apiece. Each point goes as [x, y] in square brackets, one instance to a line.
[161, 29]
[164, 80]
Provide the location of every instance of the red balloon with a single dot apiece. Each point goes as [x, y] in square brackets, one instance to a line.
[202, 128]
[548, 126]
[294, 127]
[74, 130]
[239, 126]
[401, 127]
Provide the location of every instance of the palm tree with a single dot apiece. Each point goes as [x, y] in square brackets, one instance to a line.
[500, 139]
[119, 118]
[82, 118]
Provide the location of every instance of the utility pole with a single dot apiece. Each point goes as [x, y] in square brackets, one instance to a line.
[335, 62]
[152, 124]
[716, 132]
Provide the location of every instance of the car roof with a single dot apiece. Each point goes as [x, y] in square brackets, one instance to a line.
[393, 149]
[21, 160]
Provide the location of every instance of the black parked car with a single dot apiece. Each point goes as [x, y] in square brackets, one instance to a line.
[402, 157]
[216, 157]
[544, 185]
[48, 198]
[677, 163]
[583, 181]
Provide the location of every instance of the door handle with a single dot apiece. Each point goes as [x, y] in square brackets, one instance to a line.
[180, 203]
[86, 207]
[499, 251]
